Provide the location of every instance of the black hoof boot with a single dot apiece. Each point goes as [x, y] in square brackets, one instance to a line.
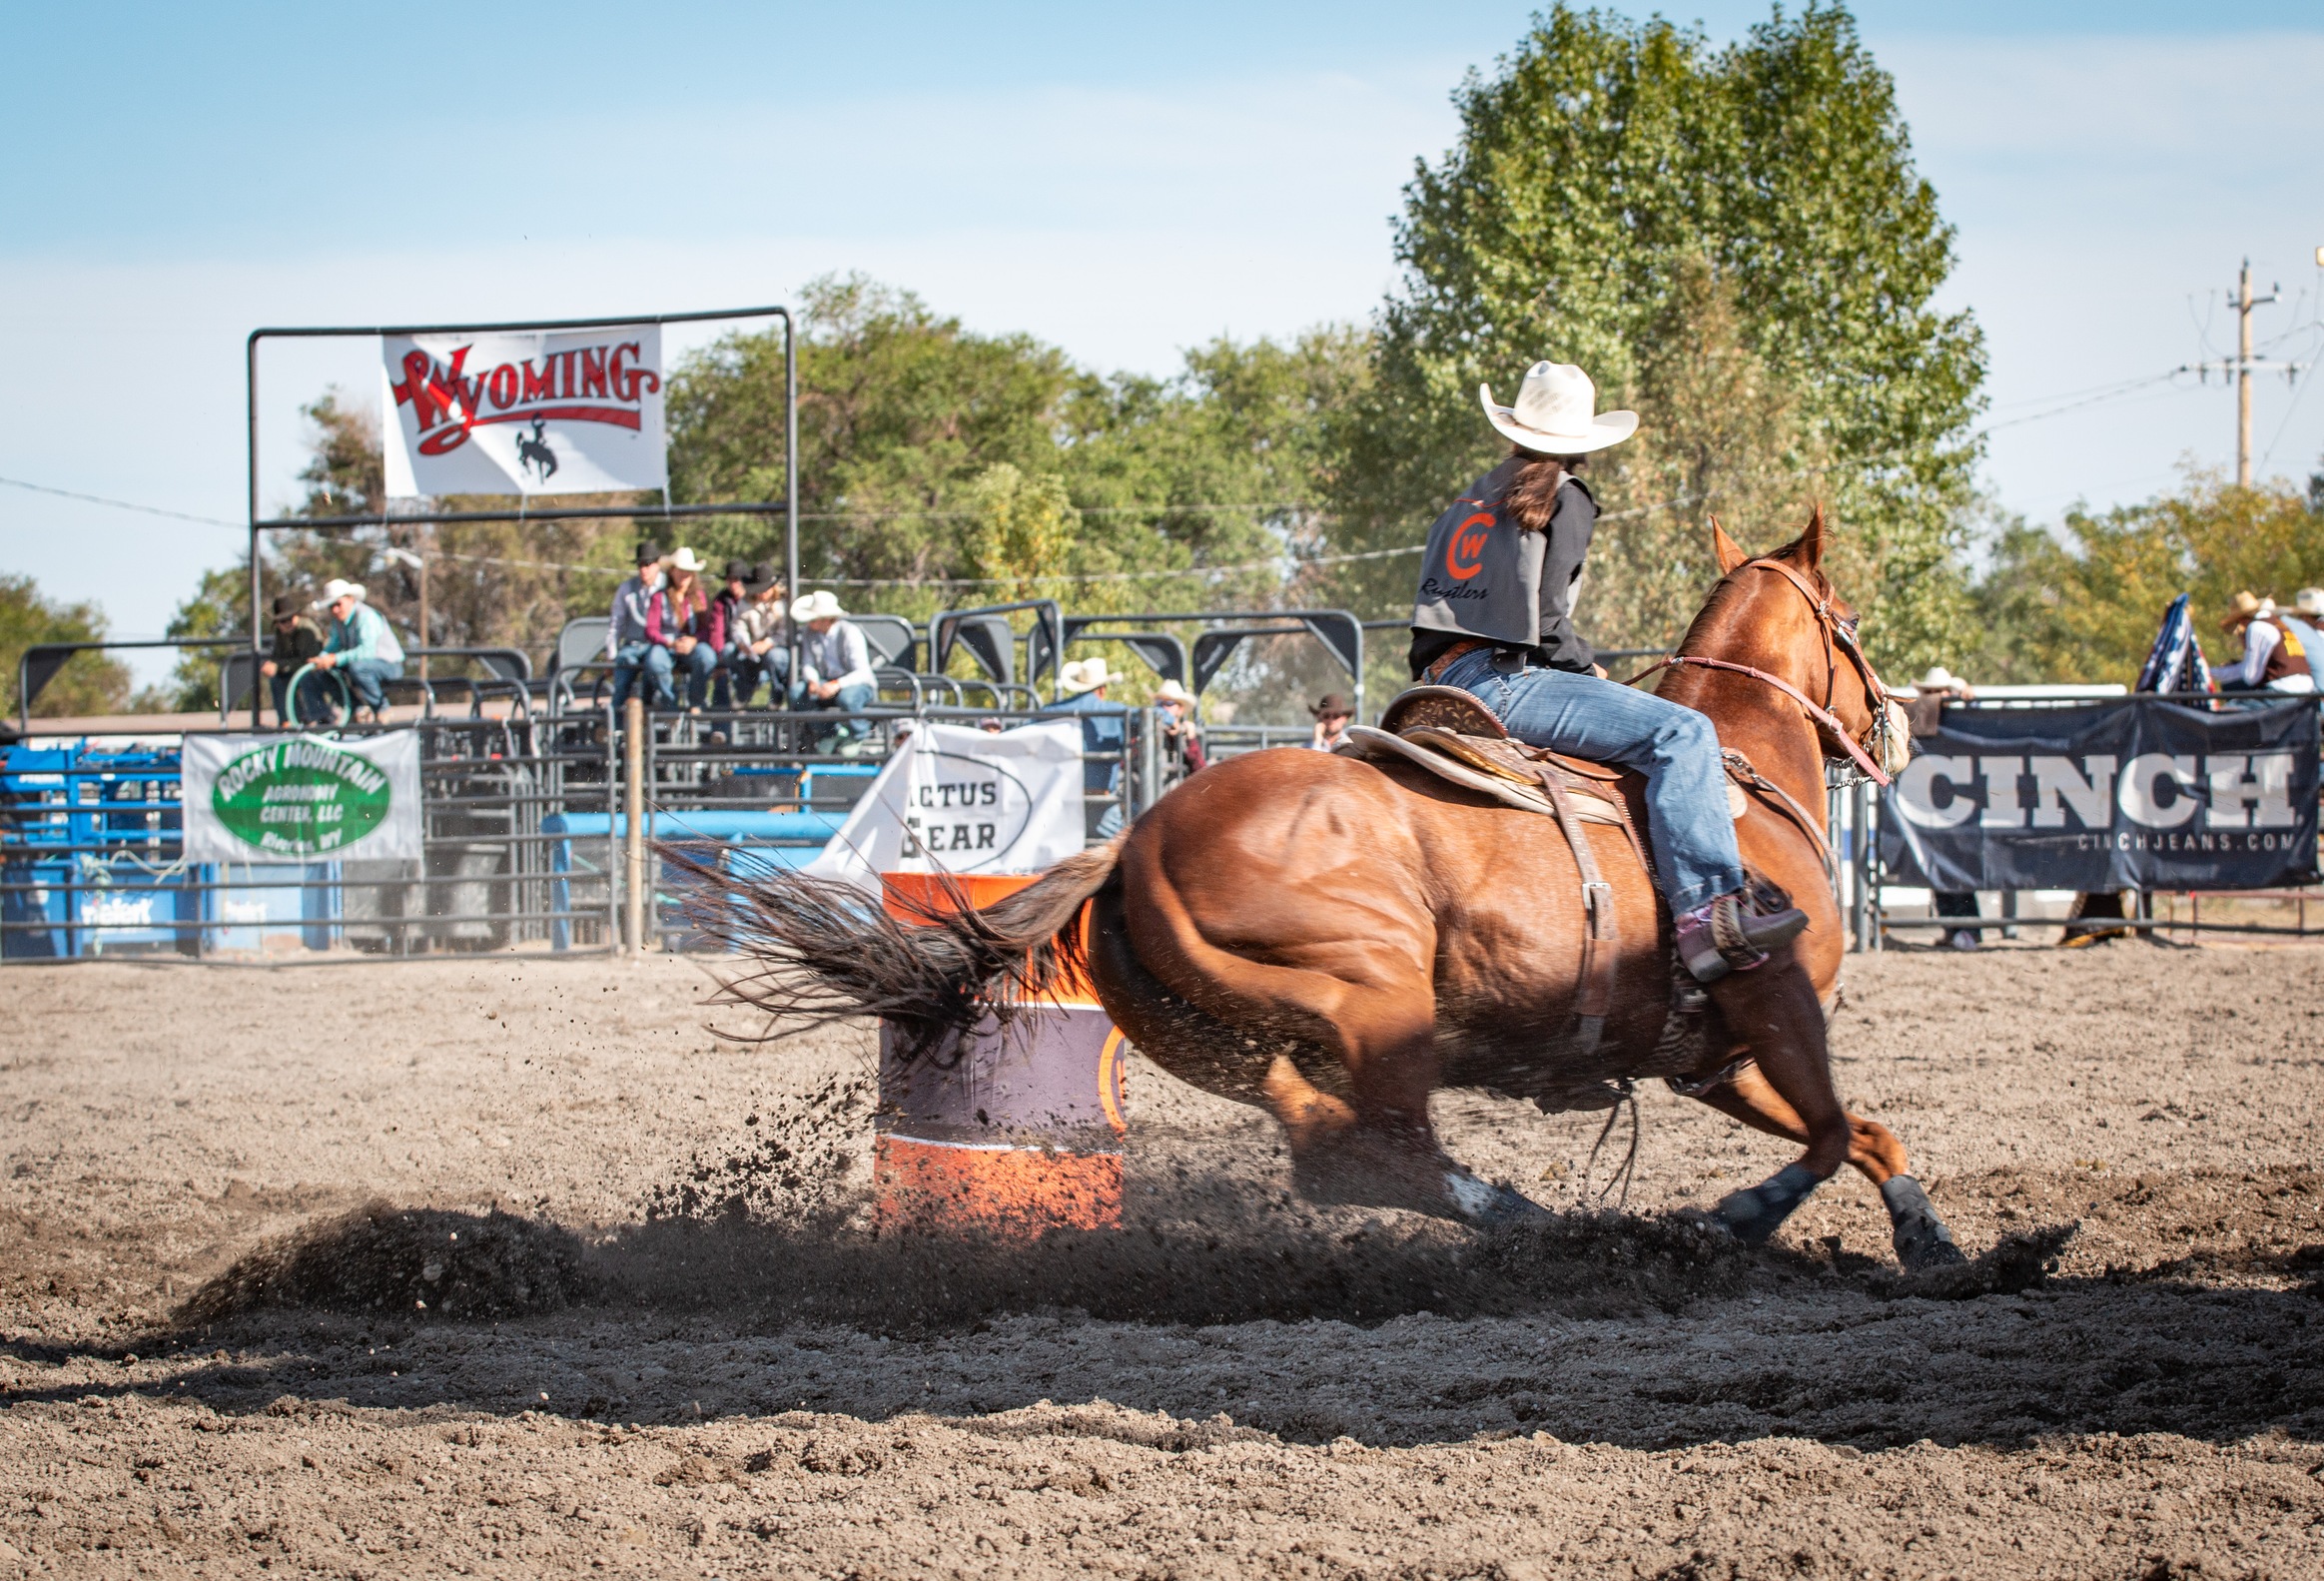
[1753, 1214]
[1921, 1239]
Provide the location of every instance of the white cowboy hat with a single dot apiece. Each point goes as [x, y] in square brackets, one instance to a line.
[1939, 679]
[335, 589]
[2309, 601]
[1172, 693]
[1086, 675]
[821, 604]
[1557, 413]
[684, 561]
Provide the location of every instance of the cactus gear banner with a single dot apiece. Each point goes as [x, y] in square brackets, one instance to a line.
[277, 798]
[569, 412]
[2146, 796]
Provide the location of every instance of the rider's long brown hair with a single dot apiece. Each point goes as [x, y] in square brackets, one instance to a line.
[1532, 499]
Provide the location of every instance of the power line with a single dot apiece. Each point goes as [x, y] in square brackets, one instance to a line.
[118, 504]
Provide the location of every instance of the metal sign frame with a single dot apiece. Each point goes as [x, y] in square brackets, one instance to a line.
[787, 507]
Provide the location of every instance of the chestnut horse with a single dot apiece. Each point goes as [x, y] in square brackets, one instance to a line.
[1334, 939]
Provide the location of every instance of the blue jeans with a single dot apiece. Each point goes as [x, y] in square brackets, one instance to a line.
[1674, 747]
[654, 660]
[738, 682]
[695, 664]
[847, 700]
[368, 679]
[318, 699]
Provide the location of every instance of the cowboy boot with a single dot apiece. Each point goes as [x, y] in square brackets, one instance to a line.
[1735, 932]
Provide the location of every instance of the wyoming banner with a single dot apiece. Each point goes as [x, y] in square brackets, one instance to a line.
[574, 411]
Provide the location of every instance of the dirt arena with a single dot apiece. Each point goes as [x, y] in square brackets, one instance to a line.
[655, 1341]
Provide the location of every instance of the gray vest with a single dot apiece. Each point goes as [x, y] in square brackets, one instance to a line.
[1480, 576]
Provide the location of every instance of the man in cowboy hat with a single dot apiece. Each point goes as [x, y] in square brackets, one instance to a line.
[360, 646]
[1499, 580]
[2308, 626]
[637, 640]
[1105, 732]
[297, 639]
[1331, 714]
[1182, 732]
[2273, 658]
[835, 666]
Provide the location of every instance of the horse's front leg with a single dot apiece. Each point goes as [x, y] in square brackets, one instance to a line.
[1917, 1233]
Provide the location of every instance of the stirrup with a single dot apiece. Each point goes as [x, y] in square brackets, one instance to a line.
[1735, 932]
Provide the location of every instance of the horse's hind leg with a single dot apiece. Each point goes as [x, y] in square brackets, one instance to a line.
[1919, 1235]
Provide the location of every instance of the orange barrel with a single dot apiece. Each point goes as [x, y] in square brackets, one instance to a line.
[1009, 1133]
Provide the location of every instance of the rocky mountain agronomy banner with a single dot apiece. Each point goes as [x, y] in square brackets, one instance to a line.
[286, 798]
[956, 799]
[566, 413]
[2148, 795]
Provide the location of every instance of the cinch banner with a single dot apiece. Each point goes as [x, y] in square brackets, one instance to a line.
[284, 798]
[956, 799]
[2151, 795]
[571, 412]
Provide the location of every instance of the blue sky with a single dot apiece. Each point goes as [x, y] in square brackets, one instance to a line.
[1122, 182]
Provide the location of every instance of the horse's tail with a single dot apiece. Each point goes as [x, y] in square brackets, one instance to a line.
[822, 950]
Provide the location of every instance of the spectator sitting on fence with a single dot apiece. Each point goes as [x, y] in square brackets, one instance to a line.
[835, 668]
[1182, 732]
[736, 676]
[1925, 713]
[696, 627]
[2273, 658]
[297, 639]
[1333, 714]
[635, 641]
[2308, 626]
[1105, 731]
[360, 646]
[764, 648]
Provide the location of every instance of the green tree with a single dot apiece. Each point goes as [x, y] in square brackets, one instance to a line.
[2084, 605]
[89, 683]
[1599, 163]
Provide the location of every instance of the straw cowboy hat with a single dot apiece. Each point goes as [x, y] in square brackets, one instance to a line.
[1172, 693]
[2246, 609]
[2309, 601]
[1939, 679]
[684, 559]
[821, 604]
[335, 589]
[1086, 675]
[1557, 413]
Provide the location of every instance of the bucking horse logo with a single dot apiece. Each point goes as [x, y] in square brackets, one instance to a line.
[535, 452]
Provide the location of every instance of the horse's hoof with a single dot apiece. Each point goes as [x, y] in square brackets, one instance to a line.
[1492, 1206]
[1756, 1213]
[1921, 1239]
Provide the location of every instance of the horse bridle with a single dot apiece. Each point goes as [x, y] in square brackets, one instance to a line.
[1843, 637]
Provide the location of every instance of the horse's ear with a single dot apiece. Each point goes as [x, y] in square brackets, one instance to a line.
[1729, 551]
[1811, 544]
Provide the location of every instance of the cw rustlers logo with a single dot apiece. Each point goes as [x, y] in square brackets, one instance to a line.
[1464, 556]
[447, 401]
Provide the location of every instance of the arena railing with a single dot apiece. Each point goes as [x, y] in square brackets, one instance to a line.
[40, 662]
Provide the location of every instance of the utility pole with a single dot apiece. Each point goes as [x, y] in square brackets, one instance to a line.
[2243, 364]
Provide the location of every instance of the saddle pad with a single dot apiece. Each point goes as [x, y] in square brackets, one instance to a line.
[1363, 741]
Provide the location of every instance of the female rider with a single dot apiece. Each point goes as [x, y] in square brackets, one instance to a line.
[1494, 617]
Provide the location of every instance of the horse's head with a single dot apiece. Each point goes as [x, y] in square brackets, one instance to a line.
[1799, 629]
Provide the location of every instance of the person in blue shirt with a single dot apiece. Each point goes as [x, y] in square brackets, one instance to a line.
[360, 646]
[1105, 731]
[2308, 626]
